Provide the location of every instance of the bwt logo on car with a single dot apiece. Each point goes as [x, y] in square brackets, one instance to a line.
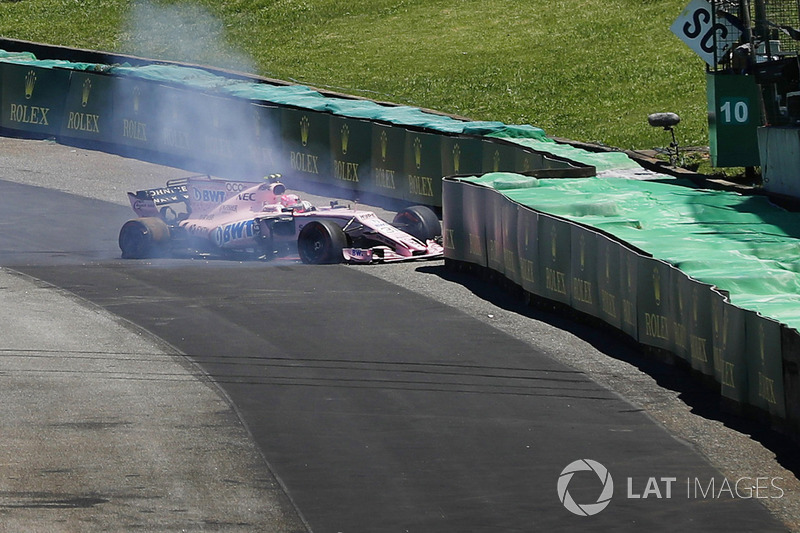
[204, 195]
[232, 232]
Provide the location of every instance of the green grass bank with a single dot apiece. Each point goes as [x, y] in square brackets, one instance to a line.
[588, 70]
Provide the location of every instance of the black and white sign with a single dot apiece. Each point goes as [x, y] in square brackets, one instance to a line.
[709, 36]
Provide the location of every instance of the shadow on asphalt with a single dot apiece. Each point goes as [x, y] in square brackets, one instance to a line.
[670, 372]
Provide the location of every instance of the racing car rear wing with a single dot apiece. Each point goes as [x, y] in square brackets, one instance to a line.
[199, 195]
[146, 203]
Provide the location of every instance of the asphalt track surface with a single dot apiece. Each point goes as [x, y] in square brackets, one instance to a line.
[381, 408]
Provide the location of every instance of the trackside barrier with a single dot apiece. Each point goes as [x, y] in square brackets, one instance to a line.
[202, 129]
[33, 99]
[752, 361]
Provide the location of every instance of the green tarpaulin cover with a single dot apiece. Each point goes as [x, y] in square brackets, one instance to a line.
[742, 244]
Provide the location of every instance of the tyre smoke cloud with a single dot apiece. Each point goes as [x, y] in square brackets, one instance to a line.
[184, 32]
[201, 129]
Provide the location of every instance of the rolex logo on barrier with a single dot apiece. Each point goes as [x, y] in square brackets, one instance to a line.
[304, 127]
[657, 285]
[630, 271]
[717, 340]
[496, 166]
[137, 96]
[555, 280]
[30, 83]
[728, 368]
[345, 138]
[384, 177]
[583, 252]
[131, 128]
[697, 344]
[715, 325]
[419, 185]
[725, 322]
[87, 90]
[303, 161]
[456, 158]
[29, 114]
[384, 145]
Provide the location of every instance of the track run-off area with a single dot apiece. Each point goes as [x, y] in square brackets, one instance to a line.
[373, 398]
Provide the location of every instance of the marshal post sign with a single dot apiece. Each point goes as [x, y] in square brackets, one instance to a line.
[709, 34]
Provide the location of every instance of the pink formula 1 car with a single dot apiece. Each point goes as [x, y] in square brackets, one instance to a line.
[237, 219]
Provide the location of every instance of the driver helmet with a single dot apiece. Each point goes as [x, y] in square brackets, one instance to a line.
[290, 200]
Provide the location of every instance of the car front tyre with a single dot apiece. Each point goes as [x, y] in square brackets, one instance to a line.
[419, 221]
[321, 242]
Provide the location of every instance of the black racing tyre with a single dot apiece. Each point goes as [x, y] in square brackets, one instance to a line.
[419, 221]
[143, 237]
[321, 242]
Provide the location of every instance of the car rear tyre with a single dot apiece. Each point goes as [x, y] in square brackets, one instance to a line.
[419, 221]
[143, 237]
[321, 242]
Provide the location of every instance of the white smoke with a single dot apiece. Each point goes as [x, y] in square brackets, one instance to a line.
[185, 32]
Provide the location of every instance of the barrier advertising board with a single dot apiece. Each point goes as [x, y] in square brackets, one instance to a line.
[499, 157]
[461, 155]
[764, 363]
[528, 160]
[135, 113]
[306, 138]
[453, 224]
[33, 99]
[629, 282]
[464, 225]
[228, 141]
[511, 260]
[351, 152]
[267, 144]
[609, 280]
[790, 350]
[656, 319]
[214, 134]
[696, 317]
[494, 230]
[423, 168]
[730, 362]
[584, 271]
[555, 238]
[388, 160]
[88, 107]
[474, 214]
[528, 250]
